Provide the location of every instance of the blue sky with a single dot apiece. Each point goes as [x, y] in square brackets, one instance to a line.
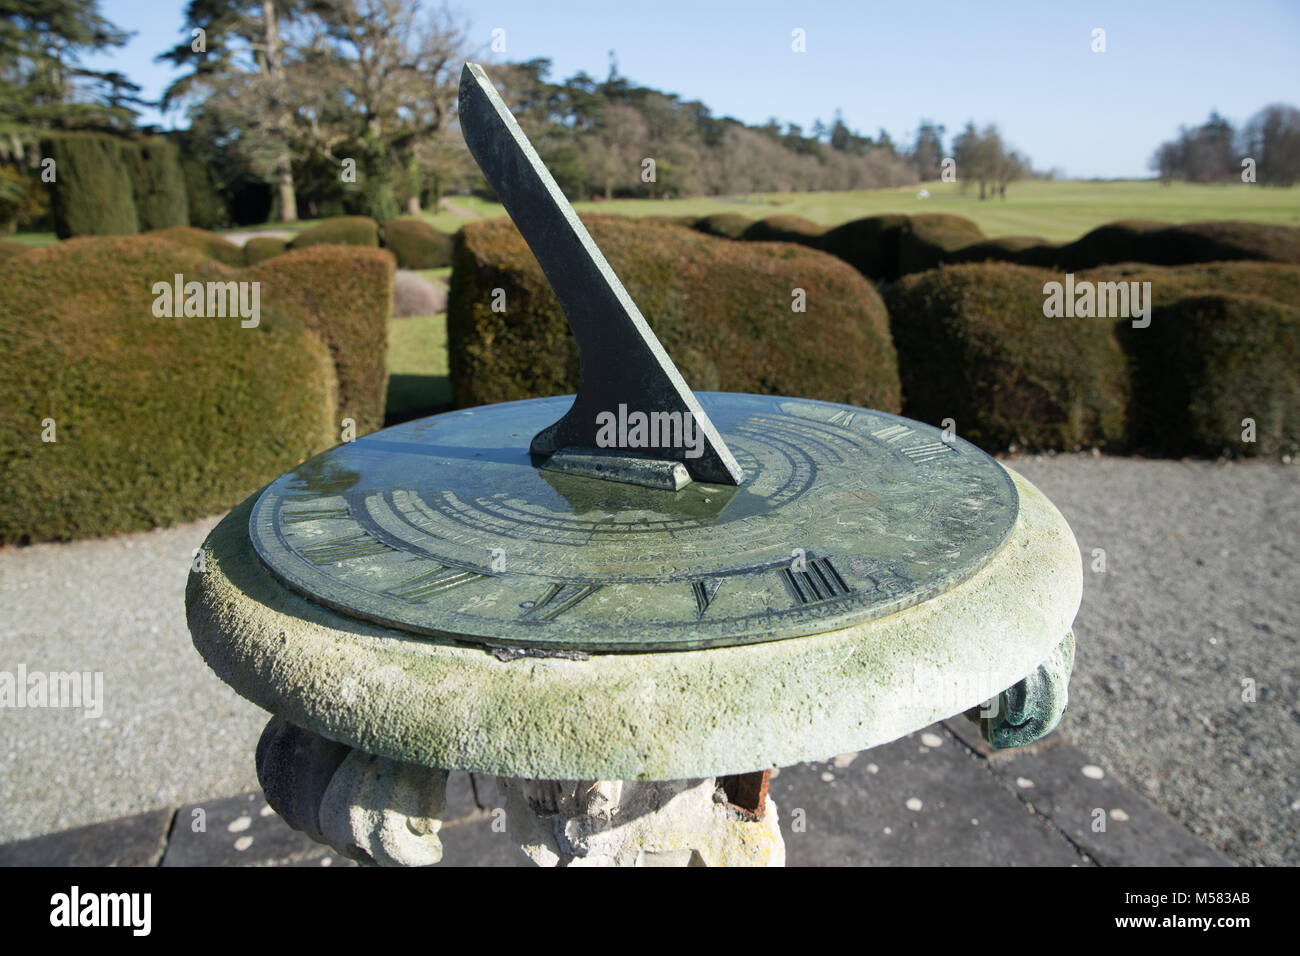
[1026, 65]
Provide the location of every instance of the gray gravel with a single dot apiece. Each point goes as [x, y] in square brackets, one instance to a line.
[1200, 592]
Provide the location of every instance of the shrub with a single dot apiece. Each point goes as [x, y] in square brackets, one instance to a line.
[728, 225]
[207, 207]
[1208, 363]
[345, 295]
[340, 230]
[870, 245]
[157, 420]
[1162, 244]
[784, 229]
[1022, 250]
[721, 309]
[9, 249]
[414, 295]
[260, 248]
[929, 239]
[685, 221]
[209, 243]
[92, 191]
[1270, 280]
[157, 183]
[417, 245]
[974, 346]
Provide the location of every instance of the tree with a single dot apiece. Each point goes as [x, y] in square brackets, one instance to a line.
[927, 153]
[242, 73]
[1272, 139]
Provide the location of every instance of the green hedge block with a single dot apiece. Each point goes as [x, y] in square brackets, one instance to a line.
[1022, 250]
[157, 420]
[344, 295]
[870, 245]
[974, 346]
[209, 243]
[723, 310]
[9, 249]
[785, 229]
[1162, 244]
[207, 207]
[417, 245]
[260, 248]
[928, 240]
[1207, 364]
[92, 193]
[340, 230]
[158, 184]
[728, 225]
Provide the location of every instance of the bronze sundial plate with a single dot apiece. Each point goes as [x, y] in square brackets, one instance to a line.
[446, 527]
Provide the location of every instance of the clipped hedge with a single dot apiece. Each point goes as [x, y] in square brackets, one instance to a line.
[870, 245]
[260, 248]
[1022, 250]
[1206, 363]
[417, 245]
[721, 309]
[209, 243]
[158, 183]
[9, 249]
[345, 296]
[785, 229]
[974, 345]
[928, 240]
[92, 190]
[1159, 243]
[728, 225]
[207, 206]
[339, 230]
[157, 420]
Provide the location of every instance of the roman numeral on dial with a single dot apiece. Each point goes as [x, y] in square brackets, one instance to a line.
[441, 578]
[821, 582]
[359, 545]
[313, 514]
[557, 600]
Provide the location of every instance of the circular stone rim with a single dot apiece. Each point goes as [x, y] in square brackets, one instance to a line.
[656, 715]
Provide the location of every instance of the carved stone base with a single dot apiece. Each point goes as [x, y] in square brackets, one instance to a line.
[382, 812]
[638, 823]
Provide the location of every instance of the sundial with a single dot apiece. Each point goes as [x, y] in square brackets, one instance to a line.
[520, 524]
[704, 584]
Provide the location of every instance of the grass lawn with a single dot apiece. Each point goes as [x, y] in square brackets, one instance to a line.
[1059, 211]
[417, 367]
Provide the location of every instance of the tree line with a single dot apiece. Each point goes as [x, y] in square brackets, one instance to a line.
[1265, 150]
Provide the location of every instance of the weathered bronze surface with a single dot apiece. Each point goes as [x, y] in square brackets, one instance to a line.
[446, 527]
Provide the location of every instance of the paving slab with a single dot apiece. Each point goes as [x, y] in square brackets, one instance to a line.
[240, 831]
[130, 841]
[923, 800]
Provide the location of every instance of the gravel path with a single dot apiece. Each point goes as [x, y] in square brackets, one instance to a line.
[1201, 591]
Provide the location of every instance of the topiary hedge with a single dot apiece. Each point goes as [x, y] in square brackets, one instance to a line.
[721, 309]
[1207, 363]
[92, 190]
[156, 420]
[974, 345]
[785, 229]
[339, 230]
[417, 245]
[260, 248]
[157, 183]
[1022, 250]
[870, 245]
[9, 249]
[1163, 244]
[728, 225]
[209, 243]
[345, 295]
[928, 240]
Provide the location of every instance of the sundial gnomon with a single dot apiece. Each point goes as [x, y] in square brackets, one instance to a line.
[803, 516]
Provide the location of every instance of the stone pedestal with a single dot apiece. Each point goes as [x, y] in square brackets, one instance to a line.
[366, 717]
